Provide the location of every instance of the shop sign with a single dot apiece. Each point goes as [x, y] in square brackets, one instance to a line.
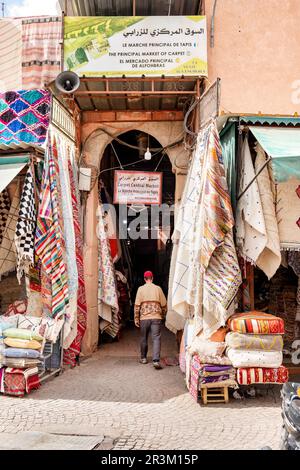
[138, 187]
[136, 45]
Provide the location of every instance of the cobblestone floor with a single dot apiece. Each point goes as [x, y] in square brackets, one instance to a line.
[137, 407]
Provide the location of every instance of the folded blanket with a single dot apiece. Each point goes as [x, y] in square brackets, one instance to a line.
[20, 363]
[215, 369]
[219, 378]
[22, 343]
[219, 360]
[225, 383]
[21, 353]
[254, 342]
[243, 358]
[256, 323]
[200, 346]
[256, 375]
[22, 333]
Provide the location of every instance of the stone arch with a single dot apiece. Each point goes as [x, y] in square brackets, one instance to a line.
[97, 139]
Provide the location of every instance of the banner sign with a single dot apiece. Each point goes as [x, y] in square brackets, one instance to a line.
[137, 187]
[136, 45]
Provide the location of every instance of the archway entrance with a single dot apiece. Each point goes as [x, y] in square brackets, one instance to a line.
[149, 247]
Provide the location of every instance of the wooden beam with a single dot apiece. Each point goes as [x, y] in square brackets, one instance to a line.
[122, 94]
[138, 79]
[130, 116]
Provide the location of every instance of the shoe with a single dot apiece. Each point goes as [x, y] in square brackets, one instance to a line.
[156, 365]
[143, 360]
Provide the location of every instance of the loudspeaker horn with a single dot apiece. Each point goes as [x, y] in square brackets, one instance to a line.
[67, 82]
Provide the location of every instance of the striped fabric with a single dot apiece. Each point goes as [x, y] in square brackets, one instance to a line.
[259, 375]
[49, 241]
[30, 52]
[75, 348]
[41, 50]
[10, 54]
[257, 323]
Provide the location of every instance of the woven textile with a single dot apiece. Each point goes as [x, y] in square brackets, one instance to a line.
[259, 375]
[4, 211]
[251, 234]
[254, 342]
[17, 382]
[35, 275]
[215, 281]
[107, 287]
[206, 255]
[270, 258]
[294, 262]
[25, 229]
[10, 54]
[41, 50]
[49, 243]
[287, 212]
[65, 151]
[24, 117]
[7, 248]
[244, 358]
[74, 350]
[257, 323]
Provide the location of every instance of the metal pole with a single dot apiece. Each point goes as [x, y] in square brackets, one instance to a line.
[252, 181]
[3, 9]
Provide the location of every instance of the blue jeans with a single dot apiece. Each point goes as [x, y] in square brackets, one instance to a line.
[155, 327]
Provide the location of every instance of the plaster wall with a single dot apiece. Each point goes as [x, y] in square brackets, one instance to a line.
[256, 54]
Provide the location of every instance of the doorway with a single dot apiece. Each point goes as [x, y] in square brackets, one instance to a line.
[152, 250]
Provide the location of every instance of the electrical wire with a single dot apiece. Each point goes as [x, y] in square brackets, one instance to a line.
[134, 147]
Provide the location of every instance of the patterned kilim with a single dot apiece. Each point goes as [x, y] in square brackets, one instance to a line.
[24, 236]
[35, 275]
[24, 117]
[17, 382]
[107, 287]
[218, 219]
[4, 211]
[49, 243]
[75, 348]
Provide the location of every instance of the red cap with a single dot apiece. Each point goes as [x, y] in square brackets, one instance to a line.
[148, 274]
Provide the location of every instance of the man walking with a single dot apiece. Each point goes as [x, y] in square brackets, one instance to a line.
[149, 310]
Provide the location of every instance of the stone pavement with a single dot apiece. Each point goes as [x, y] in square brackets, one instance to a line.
[133, 406]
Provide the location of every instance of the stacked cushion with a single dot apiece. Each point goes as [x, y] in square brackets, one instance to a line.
[21, 353]
[20, 363]
[243, 358]
[258, 323]
[22, 343]
[254, 346]
[257, 375]
[254, 342]
[20, 333]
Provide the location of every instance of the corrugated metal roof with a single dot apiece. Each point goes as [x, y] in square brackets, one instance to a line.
[125, 7]
[20, 147]
[135, 102]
